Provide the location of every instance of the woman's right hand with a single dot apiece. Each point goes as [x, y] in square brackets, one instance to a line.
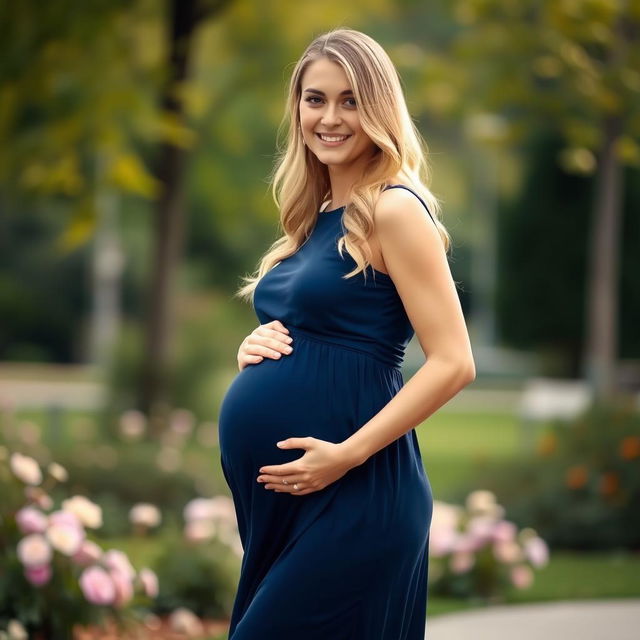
[266, 341]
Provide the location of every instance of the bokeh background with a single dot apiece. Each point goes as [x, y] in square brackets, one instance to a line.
[136, 141]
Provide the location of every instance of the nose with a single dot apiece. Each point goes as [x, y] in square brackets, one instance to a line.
[330, 117]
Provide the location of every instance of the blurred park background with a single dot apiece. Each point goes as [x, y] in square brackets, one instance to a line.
[136, 142]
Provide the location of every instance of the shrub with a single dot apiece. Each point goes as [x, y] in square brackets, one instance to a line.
[54, 575]
[193, 576]
[581, 489]
[197, 571]
[476, 553]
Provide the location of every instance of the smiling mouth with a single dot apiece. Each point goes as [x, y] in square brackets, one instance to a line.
[332, 139]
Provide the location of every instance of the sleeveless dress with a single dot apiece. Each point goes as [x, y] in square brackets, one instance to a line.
[348, 562]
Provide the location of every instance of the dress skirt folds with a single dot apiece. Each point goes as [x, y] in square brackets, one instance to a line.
[348, 562]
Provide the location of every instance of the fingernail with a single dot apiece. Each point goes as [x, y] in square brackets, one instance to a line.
[288, 349]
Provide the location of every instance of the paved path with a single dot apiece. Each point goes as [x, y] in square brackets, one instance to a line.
[585, 619]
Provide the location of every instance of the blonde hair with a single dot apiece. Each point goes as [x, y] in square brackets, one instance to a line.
[300, 182]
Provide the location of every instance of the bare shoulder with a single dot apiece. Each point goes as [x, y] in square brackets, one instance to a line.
[398, 212]
[415, 258]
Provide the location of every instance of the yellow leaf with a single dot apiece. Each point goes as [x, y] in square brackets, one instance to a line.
[578, 160]
[128, 173]
[628, 150]
[80, 228]
[171, 129]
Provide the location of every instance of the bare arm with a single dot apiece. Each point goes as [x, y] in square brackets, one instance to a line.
[416, 261]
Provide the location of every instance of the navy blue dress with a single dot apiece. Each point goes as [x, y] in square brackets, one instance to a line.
[348, 562]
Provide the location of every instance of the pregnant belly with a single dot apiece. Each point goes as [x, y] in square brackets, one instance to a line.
[320, 390]
[327, 392]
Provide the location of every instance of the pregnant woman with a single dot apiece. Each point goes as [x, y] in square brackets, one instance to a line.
[317, 434]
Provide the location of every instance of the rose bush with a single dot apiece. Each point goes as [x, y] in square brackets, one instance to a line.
[475, 552]
[196, 570]
[54, 576]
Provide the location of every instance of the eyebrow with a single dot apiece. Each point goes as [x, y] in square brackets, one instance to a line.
[321, 93]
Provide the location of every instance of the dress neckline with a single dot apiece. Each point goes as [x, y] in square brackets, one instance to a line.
[334, 210]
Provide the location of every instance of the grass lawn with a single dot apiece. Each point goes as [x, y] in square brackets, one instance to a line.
[455, 446]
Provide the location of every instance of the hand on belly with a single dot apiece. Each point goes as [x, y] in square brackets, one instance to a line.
[323, 463]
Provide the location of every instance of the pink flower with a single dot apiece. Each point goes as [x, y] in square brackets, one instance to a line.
[505, 531]
[97, 586]
[88, 553]
[149, 581]
[132, 424]
[145, 515]
[480, 501]
[480, 528]
[199, 530]
[441, 541]
[466, 543]
[89, 513]
[521, 576]
[216, 508]
[536, 551]
[123, 586]
[64, 518]
[16, 630]
[38, 575]
[445, 516]
[461, 562]
[65, 532]
[34, 550]
[31, 520]
[508, 552]
[58, 472]
[25, 468]
[117, 561]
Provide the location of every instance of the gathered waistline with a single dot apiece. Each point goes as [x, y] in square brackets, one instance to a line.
[338, 342]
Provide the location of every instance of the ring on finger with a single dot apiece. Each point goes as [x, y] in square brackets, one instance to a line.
[284, 482]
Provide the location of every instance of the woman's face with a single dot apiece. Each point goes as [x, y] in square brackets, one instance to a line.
[328, 106]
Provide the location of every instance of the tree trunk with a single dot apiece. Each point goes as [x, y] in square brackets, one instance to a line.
[169, 222]
[603, 280]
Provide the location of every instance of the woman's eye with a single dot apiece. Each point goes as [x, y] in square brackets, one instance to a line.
[311, 100]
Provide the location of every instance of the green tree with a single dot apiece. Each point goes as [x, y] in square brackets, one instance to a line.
[571, 65]
[76, 102]
[184, 17]
[117, 98]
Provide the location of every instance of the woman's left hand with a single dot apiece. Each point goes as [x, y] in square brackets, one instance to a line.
[323, 463]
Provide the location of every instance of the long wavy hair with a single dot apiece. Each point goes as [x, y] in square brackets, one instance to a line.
[300, 182]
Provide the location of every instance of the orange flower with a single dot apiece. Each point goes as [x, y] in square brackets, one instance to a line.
[630, 447]
[547, 444]
[576, 476]
[609, 483]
